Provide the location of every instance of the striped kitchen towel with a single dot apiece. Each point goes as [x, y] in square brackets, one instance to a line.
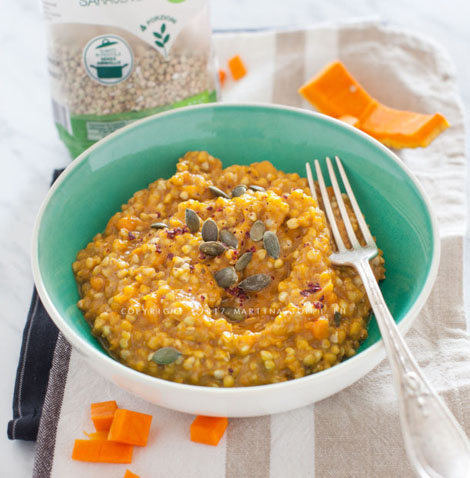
[355, 433]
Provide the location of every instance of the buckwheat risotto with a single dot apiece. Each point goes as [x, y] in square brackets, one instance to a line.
[221, 277]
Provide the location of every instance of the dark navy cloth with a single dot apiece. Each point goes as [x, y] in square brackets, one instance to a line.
[37, 350]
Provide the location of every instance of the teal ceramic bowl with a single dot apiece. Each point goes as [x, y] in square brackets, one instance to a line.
[95, 185]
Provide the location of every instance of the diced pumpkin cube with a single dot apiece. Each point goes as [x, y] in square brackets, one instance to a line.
[208, 430]
[130, 427]
[237, 68]
[129, 474]
[128, 222]
[102, 451]
[320, 329]
[102, 414]
[222, 77]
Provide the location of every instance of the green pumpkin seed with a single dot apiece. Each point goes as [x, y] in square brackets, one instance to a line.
[234, 314]
[166, 355]
[255, 283]
[218, 192]
[271, 244]
[338, 317]
[159, 225]
[209, 231]
[254, 187]
[228, 238]
[257, 231]
[239, 191]
[243, 261]
[192, 220]
[212, 248]
[226, 277]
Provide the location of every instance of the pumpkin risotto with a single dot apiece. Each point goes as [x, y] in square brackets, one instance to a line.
[221, 277]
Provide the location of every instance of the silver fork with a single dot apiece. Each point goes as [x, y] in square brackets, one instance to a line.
[436, 445]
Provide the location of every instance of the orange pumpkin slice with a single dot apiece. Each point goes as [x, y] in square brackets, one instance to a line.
[335, 92]
[403, 129]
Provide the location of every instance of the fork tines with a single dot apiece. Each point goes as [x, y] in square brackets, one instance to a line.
[341, 205]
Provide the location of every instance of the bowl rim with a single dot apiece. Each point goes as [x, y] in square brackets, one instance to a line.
[372, 355]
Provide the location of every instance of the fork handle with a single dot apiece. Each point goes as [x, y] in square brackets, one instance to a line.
[435, 443]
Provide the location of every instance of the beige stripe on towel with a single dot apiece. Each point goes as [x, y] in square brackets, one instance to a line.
[248, 448]
[290, 52]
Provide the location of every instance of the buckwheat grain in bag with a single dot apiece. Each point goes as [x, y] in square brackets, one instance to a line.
[112, 62]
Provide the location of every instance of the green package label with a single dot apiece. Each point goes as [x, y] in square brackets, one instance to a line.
[81, 131]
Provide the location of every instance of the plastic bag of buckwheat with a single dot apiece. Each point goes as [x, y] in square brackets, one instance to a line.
[114, 61]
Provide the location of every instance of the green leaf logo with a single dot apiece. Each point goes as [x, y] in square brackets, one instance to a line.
[162, 39]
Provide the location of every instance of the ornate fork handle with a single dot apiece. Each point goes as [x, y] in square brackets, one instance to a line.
[434, 441]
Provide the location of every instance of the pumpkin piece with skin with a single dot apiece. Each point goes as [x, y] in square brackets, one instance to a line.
[335, 92]
[402, 129]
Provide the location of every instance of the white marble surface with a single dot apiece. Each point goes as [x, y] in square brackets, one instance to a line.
[30, 149]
